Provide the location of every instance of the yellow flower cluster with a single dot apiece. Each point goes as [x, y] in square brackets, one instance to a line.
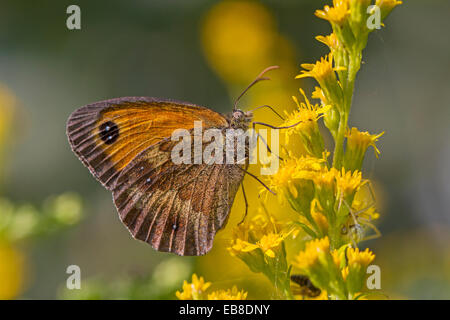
[340, 272]
[196, 290]
[328, 195]
[260, 235]
[259, 243]
[229, 294]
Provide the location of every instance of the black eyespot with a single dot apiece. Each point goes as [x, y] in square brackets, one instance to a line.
[109, 132]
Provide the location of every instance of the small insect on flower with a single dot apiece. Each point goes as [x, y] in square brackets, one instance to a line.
[305, 286]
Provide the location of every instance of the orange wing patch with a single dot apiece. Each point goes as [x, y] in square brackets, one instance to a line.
[108, 135]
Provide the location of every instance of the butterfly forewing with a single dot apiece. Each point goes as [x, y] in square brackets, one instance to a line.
[108, 135]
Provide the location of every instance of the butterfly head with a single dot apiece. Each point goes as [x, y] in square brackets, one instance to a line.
[241, 119]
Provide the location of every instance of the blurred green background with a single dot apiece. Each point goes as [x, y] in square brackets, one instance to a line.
[205, 52]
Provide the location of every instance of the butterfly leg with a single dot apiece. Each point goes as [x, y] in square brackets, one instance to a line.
[257, 179]
[246, 203]
[264, 141]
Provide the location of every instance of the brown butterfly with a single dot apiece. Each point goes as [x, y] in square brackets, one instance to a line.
[126, 144]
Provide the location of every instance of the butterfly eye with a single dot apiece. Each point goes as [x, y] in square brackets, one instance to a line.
[238, 114]
[109, 132]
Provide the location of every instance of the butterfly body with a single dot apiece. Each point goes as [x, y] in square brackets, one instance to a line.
[126, 144]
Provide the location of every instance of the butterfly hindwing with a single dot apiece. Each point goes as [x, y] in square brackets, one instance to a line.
[108, 135]
[175, 208]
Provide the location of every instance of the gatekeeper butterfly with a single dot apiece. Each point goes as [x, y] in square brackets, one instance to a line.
[126, 144]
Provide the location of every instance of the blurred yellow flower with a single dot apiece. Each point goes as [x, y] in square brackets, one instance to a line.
[11, 271]
[238, 37]
[229, 294]
[7, 103]
[193, 290]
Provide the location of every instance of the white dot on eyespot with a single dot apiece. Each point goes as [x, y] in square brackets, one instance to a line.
[109, 137]
[148, 180]
[142, 168]
[107, 128]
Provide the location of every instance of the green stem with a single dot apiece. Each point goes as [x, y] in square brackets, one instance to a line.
[348, 88]
[339, 145]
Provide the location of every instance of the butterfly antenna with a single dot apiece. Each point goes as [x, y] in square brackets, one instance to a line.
[267, 106]
[258, 79]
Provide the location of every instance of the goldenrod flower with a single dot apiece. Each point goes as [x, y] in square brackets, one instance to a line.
[291, 186]
[324, 185]
[316, 262]
[324, 73]
[318, 94]
[348, 183]
[285, 179]
[310, 256]
[363, 140]
[336, 14]
[331, 116]
[339, 257]
[357, 257]
[259, 233]
[269, 242]
[303, 121]
[260, 225]
[266, 244]
[357, 144]
[386, 6]
[318, 216]
[237, 246]
[306, 113]
[344, 273]
[331, 41]
[194, 290]
[358, 261]
[230, 294]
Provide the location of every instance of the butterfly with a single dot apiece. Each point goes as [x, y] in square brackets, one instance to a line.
[126, 144]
